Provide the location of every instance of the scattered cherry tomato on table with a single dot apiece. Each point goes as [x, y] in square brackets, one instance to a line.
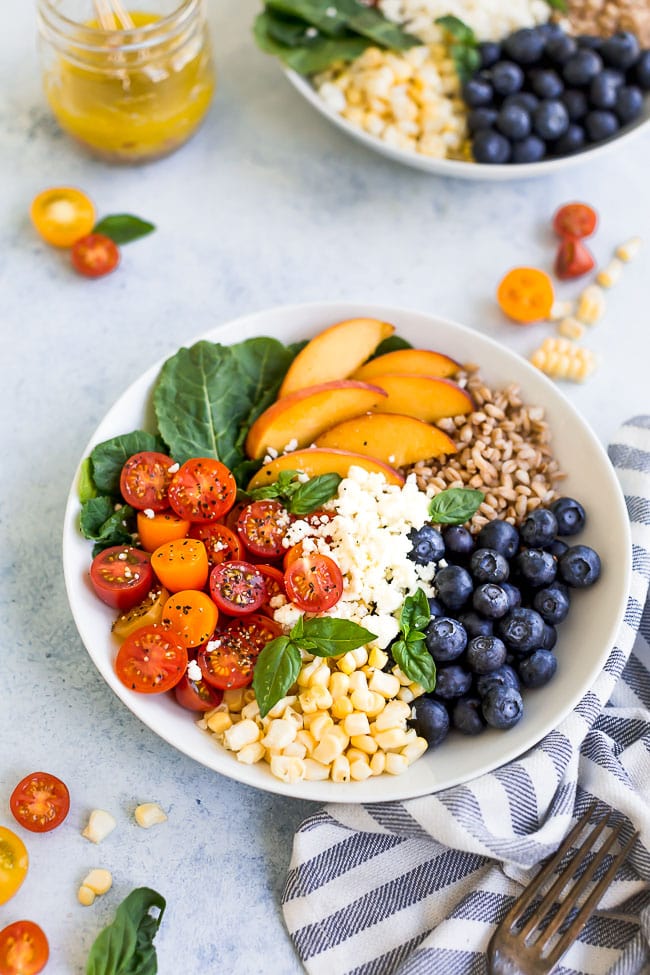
[526, 295]
[62, 215]
[40, 802]
[95, 255]
[14, 862]
[573, 259]
[576, 220]
[23, 949]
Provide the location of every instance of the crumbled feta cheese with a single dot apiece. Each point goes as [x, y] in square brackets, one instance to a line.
[194, 671]
[173, 468]
[291, 446]
[149, 513]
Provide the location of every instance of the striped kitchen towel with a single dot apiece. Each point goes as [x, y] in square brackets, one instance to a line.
[418, 887]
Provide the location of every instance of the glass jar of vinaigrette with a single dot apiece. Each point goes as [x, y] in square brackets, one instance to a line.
[130, 87]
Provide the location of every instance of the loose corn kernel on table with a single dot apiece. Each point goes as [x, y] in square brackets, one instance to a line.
[268, 204]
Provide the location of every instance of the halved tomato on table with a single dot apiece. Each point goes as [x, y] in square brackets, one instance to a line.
[575, 220]
[202, 490]
[144, 480]
[14, 862]
[121, 576]
[262, 526]
[221, 544]
[23, 949]
[95, 255]
[40, 802]
[314, 583]
[151, 660]
[237, 587]
[62, 214]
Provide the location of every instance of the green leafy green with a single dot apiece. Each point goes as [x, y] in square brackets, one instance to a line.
[106, 524]
[410, 650]
[299, 497]
[392, 344]
[464, 47]
[86, 486]
[330, 637]
[560, 5]
[123, 227]
[125, 947]
[334, 18]
[108, 458]
[455, 506]
[312, 58]
[291, 31]
[415, 613]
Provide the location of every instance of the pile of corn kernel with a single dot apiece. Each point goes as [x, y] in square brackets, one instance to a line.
[410, 100]
[345, 720]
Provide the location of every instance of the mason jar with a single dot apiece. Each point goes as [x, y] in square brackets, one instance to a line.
[129, 94]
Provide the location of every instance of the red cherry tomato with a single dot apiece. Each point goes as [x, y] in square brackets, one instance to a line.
[228, 659]
[151, 660]
[237, 587]
[573, 259]
[221, 544]
[257, 628]
[40, 802]
[314, 583]
[274, 582]
[196, 695]
[575, 220]
[145, 479]
[122, 576]
[202, 490]
[261, 526]
[23, 949]
[94, 255]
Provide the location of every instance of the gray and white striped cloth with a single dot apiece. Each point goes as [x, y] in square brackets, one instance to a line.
[417, 887]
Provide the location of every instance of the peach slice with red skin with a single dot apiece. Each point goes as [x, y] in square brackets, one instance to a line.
[301, 416]
[390, 437]
[409, 362]
[335, 353]
[315, 461]
[424, 397]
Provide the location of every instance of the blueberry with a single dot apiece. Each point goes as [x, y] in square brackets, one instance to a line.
[573, 140]
[629, 103]
[557, 548]
[549, 637]
[603, 88]
[538, 528]
[521, 630]
[552, 603]
[485, 653]
[481, 118]
[550, 119]
[488, 565]
[575, 102]
[600, 125]
[537, 669]
[584, 65]
[570, 515]
[550, 29]
[506, 77]
[490, 147]
[477, 92]
[513, 594]
[621, 50]
[435, 606]
[502, 707]
[427, 545]
[466, 716]
[458, 540]
[504, 676]
[529, 150]
[560, 48]
[642, 70]
[592, 42]
[546, 83]
[475, 624]
[446, 639]
[490, 600]
[579, 566]
[490, 52]
[499, 535]
[536, 567]
[452, 681]
[454, 585]
[513, 121]
[431, 720]
[525, 99]
[525, 46]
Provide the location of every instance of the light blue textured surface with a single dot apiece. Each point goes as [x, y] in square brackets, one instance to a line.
[269, 204]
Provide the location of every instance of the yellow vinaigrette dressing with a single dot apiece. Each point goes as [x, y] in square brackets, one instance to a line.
[132, 95]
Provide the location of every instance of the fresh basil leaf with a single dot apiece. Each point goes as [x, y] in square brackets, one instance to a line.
[298, 630]
[457, 28]
[106, 526]
[455, 506]
[125, 947]
[276, 669]
[415, 613]
[122, 228]
[392, 344]
[86, 486]
[560, 5]
[330, 637]
[467, 60]
[285, 486]
[317, 57]
[312, 494]
[413, 658]
[108, 458]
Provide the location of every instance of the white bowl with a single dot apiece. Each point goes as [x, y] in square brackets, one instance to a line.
[458, 168]
[585, 638]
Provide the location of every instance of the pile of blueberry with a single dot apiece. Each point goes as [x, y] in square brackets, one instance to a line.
[542, 93]
[493, 627]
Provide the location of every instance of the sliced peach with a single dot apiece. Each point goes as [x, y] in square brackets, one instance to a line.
[391, 437]
[409, 362]
[424, 397]
[303, 415]
[335, 353]
[315, 461]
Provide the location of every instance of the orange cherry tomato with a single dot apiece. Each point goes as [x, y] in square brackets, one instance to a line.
[575, 220]
[526, 295]
[147, 613]
[314, 583]
[192, 615]
[164, 526]
[573, 259]
[181, 564]
[23, 949]
[14, 862]
[221, 543]
[151, 660]
[62, 215]
[40, 802]
[95, 255]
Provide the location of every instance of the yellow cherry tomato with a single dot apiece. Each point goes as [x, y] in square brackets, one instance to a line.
[147, 613]
[62, 215]
[14, 862]
[192, 616]
[181, 564]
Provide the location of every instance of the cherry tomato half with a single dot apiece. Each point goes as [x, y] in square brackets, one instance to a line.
[62, 215]
[144, 480]
[237, 587]
[181, 564]
[146, 613]
[14, 862]
[95, 255]
[40, 802]
[23, 949]
[121, 576]
[197, 695]
[192, 615]
[202, 490]
[261, 526]
[257, 629]
[227, 661]
[274, 582]
[314, 583]
[221, 544]
[157, 527]
[573, 259]
[151, 660]
[575, 220]
[525, 294]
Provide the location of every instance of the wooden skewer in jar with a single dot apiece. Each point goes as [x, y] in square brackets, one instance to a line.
[112, 15]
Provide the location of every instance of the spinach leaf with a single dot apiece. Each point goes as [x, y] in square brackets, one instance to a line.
[334, 18]
[123, 227]
[106, 526]
[291, 31]
[86, 487]
[455, 506]
[108, 458]
[391, 344]
[276, 669]
[125, 947]
[312, 59]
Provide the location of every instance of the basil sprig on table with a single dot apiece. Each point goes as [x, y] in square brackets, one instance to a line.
[278, 665]
[299, 497]
[464, 46]
[125, 947]
[410, 649]
[455, 506]
[122, 228]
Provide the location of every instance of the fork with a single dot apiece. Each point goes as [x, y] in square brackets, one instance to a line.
[523, 945]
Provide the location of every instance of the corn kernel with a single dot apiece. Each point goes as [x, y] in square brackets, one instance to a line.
[360, 770]
[393, 715]
[340, 770]
[250, 710]
[560, 310]
[571, 328]
[591, 305]
[395, 763]
[295, 750]
[405, 694]
[233, 698]
[321, 725]
[347, 663]
[99, 881]
[328, 748]
[401, 676]
[377, 658]
[358, 681]
[315, 698]
[249, 695]
[278, 709]
[352, 754]
[306, 739]
[149, 814]
[312, 716]
[85, 896]
[100, 824]
[608, 276]
[218, 722]
[307, 671]
[339, 685]
[391, 739]
[360, 655]
[414, 750]
[341, 708]
[629, 249]
[251, 754]
[289, 770]
[242, 733]
[321, 676]
[385, 684]
[290, 714]
[376, 705]
[365, 743]
[315, 771]
[356, 724]
[378, 763]
[362, 700]
[280, 734]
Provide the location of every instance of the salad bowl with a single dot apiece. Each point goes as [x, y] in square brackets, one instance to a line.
[586, 638]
